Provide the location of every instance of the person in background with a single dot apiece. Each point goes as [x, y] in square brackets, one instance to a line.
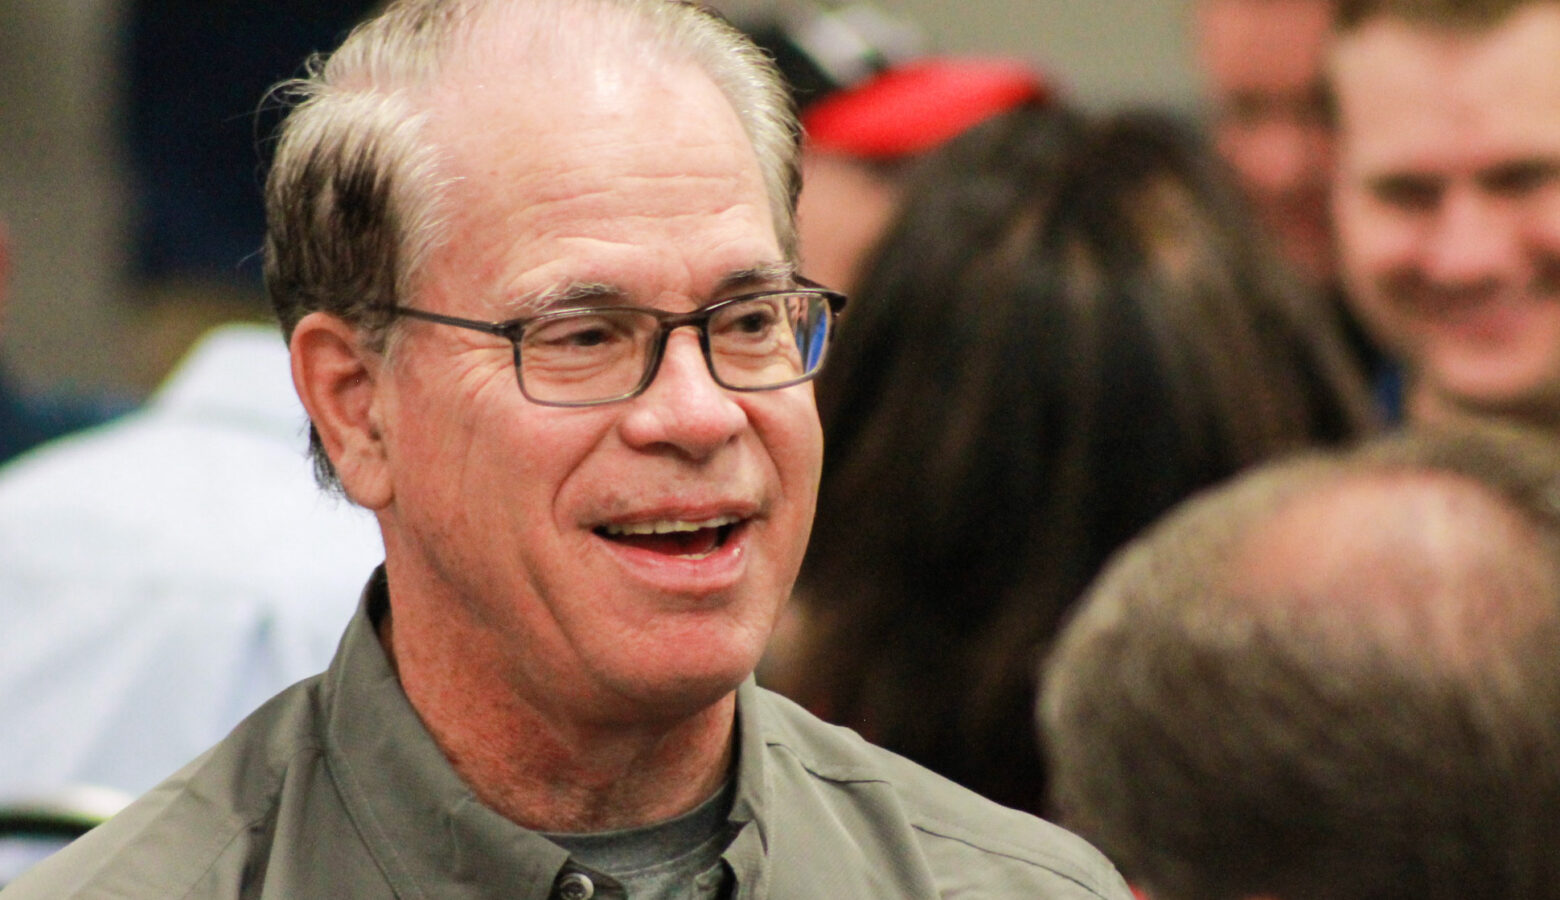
[872, 100]
[1068, 328]
[535, 260]
[1264, 71]
[1333, 677]
[1263, 65]
[164, 574]
[1448, 199]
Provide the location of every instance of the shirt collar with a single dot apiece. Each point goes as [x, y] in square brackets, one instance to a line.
[428, 831]
[423, 823]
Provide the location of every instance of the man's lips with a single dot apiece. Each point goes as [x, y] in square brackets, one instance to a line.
[680, 538]
[1480, 316]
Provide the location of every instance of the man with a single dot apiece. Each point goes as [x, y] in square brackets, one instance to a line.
[1448, 198]
[591, 514]
[1264, 69]
[1332, 678]
[1264, 66]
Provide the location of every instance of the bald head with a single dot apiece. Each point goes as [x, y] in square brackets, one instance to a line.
[1435, 558]
[1317, 679]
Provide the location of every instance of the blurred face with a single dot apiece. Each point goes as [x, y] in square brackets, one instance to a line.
[616, 558]
[1448, 202]
[1263, 61]
[844, 209]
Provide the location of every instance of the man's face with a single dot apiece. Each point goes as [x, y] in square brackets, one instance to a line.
[1263, 61]
[1448, 202]
[633, 186]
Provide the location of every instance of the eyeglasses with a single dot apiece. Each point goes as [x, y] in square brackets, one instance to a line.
[589, 356]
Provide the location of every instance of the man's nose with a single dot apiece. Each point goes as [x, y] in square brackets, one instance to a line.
[1473, 239]
[684, 407]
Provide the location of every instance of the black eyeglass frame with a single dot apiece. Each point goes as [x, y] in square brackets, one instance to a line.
[513, 330]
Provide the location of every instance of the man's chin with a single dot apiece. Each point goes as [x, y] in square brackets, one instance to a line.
[692, 675]
[1492, 396]
[685, 695]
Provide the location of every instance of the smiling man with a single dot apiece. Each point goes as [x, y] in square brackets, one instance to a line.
[535, 263]
[1448, 198]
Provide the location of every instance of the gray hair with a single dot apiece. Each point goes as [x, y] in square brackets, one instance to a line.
[353, 199]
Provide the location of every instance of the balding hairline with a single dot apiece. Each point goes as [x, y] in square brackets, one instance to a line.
[1416, 580]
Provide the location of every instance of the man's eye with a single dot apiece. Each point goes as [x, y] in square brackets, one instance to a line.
[756, 321]
[1522, 178]
[1408, 193]
[583, 333]
[586, 337]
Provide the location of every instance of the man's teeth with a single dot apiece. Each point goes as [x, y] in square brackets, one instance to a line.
[668, 526]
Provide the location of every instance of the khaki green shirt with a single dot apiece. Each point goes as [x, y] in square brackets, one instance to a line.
[334, 789]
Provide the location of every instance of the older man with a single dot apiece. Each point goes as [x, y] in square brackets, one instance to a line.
[1264, 67]
[1334, 678]
[1448, 198]
[534, 260]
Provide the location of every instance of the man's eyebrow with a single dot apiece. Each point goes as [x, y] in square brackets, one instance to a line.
[759, 276]
[565, 296]
[599, 293]
[1406, 188]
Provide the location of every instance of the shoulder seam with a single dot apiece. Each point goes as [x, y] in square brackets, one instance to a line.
[851, 774]
[921, 826]
[247, 824]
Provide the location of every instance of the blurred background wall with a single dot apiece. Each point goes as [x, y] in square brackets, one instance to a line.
[62, 186]
[61, 191]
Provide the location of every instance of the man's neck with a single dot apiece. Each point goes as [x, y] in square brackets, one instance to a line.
[546, 773]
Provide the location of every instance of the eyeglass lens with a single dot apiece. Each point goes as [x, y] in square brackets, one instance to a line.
[591, 355]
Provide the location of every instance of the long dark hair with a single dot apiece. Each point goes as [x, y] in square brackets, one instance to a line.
[1070, 327]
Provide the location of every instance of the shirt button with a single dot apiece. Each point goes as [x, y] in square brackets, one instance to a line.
[575, 886]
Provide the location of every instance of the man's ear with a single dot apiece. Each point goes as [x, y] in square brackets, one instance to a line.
[338, 381]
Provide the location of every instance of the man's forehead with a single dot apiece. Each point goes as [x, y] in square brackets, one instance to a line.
[521, 122]
[1243, 33]
[556, 41]
[1525, 43]
[1410, 89]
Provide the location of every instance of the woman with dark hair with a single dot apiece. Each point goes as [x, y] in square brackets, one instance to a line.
[1071, 326]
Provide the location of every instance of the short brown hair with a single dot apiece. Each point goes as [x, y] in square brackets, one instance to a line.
[1461, 14]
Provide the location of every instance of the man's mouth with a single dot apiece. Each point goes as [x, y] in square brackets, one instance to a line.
[673, 537]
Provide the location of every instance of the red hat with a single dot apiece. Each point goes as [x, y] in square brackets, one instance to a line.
[916, 106]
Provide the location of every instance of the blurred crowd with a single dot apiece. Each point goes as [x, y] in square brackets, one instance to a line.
[1286, 371]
